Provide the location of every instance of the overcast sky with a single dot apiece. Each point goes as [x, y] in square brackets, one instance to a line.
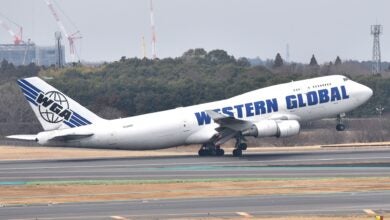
[250, 28]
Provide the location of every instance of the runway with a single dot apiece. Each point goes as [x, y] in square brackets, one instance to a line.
[315, 204]
[356, 163]
[279, 165]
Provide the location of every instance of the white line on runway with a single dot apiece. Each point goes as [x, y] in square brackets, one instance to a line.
[203, 163]
[369, 211]
[342, 209]
[244, 214]
[347, 210]
[118, 217]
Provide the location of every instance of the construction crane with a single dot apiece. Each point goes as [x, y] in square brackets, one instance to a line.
[16, 36]
[70, 37]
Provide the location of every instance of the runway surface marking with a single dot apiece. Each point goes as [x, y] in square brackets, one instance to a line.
[200, 162]
[118, 217]
[253, 198]
[206, 213]
[270, 165]
[183, 207]
[369, 211]
[244, 214]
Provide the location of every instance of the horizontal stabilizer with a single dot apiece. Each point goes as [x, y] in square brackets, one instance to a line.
[70, 137]
[23, 137]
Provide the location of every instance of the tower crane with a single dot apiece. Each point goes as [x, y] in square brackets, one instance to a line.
[16, 36]
[70, 37]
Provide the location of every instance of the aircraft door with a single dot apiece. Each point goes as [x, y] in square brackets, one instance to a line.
[186, 127]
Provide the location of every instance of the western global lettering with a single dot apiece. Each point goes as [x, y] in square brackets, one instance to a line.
[228, 111]
[316, 97]
[295, 101]
[242, 110]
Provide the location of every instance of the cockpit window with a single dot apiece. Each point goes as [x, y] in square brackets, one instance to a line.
[345, 79]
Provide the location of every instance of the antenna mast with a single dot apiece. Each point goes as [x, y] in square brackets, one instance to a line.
[376, 31]
[143, 48]
[154, 56]
[287, 53]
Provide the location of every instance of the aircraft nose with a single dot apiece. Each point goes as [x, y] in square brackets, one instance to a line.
[365, 93]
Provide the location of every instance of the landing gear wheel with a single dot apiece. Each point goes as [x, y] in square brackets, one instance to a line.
[220, 152]
[202, 152]
[239, 146]
[210, 149]
[242, 146]
[340, 127]
[237, 153]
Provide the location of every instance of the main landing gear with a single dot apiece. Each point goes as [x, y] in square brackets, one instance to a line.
[210, 150]
[340, 125]
[239, 147]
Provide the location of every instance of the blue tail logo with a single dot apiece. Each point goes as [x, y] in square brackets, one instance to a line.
[53, 107]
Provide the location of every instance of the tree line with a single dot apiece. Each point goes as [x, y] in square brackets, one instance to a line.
[133, 86]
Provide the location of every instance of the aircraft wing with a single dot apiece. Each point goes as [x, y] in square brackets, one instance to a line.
[228, 128]
[229, 121]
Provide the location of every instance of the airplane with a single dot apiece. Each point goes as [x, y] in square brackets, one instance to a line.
[271, 111]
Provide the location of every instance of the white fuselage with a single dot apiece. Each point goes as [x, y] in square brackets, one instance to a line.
[190, 125]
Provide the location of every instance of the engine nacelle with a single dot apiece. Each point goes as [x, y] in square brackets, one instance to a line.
[269, 128]
[288, 128]
[43, 137]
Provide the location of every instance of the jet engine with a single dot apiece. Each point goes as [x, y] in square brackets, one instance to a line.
[268, 128]
[43, 137]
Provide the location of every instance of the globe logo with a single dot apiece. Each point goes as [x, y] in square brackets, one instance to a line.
[48, 115]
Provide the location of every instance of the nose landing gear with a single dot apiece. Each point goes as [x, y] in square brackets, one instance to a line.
[340, 125]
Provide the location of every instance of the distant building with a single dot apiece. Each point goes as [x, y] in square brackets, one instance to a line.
[24, 54]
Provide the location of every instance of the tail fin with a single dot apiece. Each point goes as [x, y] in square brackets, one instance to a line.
[54, 109]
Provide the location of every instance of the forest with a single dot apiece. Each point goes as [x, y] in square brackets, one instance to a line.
[132, 86]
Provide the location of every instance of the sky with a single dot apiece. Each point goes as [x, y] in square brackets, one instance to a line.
[244, 28]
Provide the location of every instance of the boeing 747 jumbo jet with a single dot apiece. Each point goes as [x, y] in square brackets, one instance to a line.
[272, 111]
